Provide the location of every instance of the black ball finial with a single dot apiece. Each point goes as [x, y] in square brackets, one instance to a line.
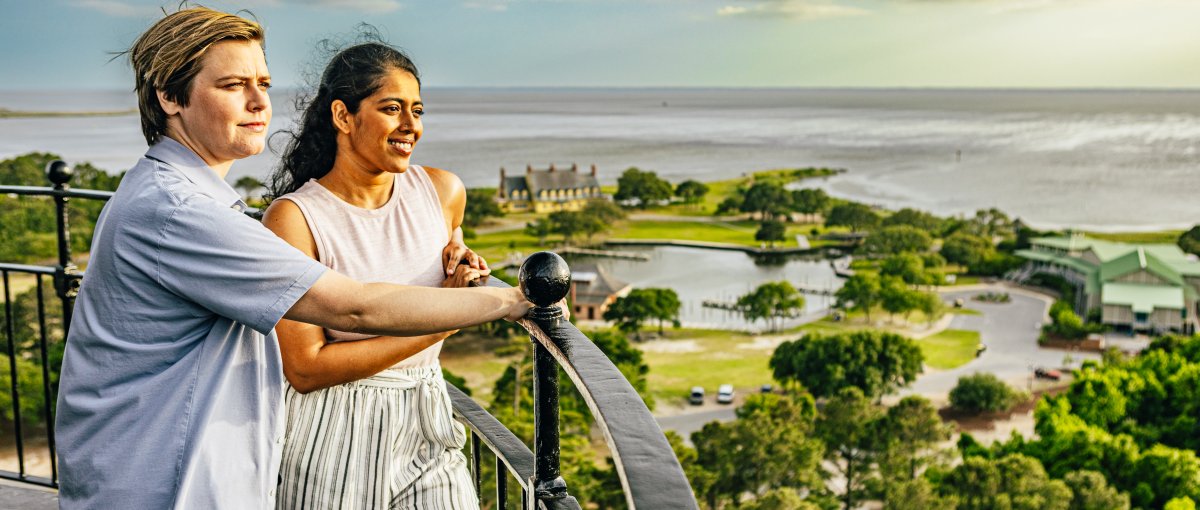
[59, 172]
[545, 278]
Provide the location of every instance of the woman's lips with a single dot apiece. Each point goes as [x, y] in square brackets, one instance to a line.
[257, 127]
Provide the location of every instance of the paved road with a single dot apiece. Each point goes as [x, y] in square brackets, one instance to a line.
[1009, 330]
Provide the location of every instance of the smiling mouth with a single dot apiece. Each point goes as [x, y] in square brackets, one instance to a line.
[402, 146]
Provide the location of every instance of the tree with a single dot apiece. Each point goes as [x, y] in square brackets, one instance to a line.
[481, 205]
[1090, 491]
[915, 218]
[859, 292]
[912, 430]
[930, 304]
[768, 446]
[897, 239]
[642, 187]
[909, 267]
[981, 392]
[875, 362]
[604, 210]
[247, 184]
[967, 250]
[849, 426]
[1189, 241]
[766, 198]
[691, 191]
[810, 201]
[770, 231]
[770, 301]
[631, 310]
[854, 215]
[540, 228]
[732, 203]
[666, 307]
[1015, 482]
[895, 296]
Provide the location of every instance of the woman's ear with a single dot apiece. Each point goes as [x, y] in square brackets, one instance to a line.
[341, 116]
[168, 106]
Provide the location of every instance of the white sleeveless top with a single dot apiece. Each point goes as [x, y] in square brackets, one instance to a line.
[400, 242]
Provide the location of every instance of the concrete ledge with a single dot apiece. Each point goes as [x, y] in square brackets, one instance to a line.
[19, 496]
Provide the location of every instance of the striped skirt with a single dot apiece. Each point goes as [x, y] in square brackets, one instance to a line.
[385, 442]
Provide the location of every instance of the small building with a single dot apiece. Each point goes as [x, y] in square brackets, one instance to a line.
[549, 190]
[1136, 287]
[592, 290]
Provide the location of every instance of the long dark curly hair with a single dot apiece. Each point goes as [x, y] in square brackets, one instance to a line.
[351, 76]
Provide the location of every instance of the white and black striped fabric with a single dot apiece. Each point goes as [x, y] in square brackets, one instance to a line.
[385, 442]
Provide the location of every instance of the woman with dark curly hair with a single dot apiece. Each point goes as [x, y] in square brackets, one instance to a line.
[369, 420]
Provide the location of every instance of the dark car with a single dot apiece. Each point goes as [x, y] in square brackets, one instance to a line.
[766, 388]
[697, 396]
[1047, 373]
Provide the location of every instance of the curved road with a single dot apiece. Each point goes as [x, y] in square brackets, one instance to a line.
[1009, 330]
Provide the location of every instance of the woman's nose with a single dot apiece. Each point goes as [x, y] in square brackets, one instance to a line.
[258, 100]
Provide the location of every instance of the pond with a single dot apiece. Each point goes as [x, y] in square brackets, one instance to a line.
[698, 274]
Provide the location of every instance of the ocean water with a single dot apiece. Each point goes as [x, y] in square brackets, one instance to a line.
[1103, 160]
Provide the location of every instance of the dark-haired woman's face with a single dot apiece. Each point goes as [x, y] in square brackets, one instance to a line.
[388, 123]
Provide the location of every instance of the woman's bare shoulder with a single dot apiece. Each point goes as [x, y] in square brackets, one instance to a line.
[286, 220]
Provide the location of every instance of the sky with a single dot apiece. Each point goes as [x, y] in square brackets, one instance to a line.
[68, 44]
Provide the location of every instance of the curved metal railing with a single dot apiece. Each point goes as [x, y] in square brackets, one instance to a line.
[645, 463]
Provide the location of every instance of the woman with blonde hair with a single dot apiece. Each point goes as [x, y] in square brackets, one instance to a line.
[170, 393]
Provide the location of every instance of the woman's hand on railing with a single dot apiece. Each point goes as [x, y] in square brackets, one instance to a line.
[456, 253]
[464, 275]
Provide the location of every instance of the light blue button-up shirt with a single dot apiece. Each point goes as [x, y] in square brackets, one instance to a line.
[171, 391]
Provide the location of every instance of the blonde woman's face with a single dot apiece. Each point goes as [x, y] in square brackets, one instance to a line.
[229, 109]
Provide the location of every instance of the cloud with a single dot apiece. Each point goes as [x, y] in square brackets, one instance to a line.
[488, 5]
[358, 5]
[805, 10]
[114, 8]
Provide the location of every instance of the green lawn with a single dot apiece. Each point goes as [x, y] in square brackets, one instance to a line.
[1163, 237]
[707, 358]
[735, 232]
[950, 348]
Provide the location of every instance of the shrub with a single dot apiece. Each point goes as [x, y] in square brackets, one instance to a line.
[983, 392]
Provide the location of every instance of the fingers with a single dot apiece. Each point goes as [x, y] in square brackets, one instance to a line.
[451, 255]
[463, 275]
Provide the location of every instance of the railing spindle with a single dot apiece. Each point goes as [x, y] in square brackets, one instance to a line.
[12, 374]
[66, 278]
[476, 467]
[47, 395]
[501, 484]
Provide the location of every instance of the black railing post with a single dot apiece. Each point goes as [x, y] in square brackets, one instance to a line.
[66, 275]
[545, 280]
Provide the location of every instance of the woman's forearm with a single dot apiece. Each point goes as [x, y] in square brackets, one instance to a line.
[331, 364]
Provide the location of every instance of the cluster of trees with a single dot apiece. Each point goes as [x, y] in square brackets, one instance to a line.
[1189, 241]
[28, 226]
[1134, 421]
[864, 290]
[978, 254]
[596, 217]
[630, 311]
[771, 203]
[481, 206]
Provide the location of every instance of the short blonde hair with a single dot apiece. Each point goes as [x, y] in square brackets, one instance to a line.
[167, 58]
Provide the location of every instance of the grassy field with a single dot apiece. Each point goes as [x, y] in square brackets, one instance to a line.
[1162, 237]
[950, 348]
[708, 358]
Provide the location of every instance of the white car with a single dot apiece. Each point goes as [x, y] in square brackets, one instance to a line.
[725, 394]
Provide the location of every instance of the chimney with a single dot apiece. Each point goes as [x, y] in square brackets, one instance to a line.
[528, 169]
[574, 168]
[551, 167]
[593, 170]
[500, 191]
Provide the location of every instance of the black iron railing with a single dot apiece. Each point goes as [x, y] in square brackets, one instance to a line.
[646, 465]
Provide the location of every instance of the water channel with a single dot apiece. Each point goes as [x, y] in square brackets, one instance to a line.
[698, 274]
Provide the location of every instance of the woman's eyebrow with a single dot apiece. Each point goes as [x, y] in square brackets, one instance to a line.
[398, 100]
[244, 77]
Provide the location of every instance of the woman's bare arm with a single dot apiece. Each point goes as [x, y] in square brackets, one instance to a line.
[335, 301]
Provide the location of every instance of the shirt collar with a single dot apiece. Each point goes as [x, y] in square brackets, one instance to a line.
[179, 157]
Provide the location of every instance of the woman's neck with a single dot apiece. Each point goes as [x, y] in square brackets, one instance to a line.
[358, 186]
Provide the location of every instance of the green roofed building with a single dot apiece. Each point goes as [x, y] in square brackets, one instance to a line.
[1138, 287]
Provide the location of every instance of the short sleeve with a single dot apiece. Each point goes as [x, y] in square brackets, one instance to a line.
[230, 264]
